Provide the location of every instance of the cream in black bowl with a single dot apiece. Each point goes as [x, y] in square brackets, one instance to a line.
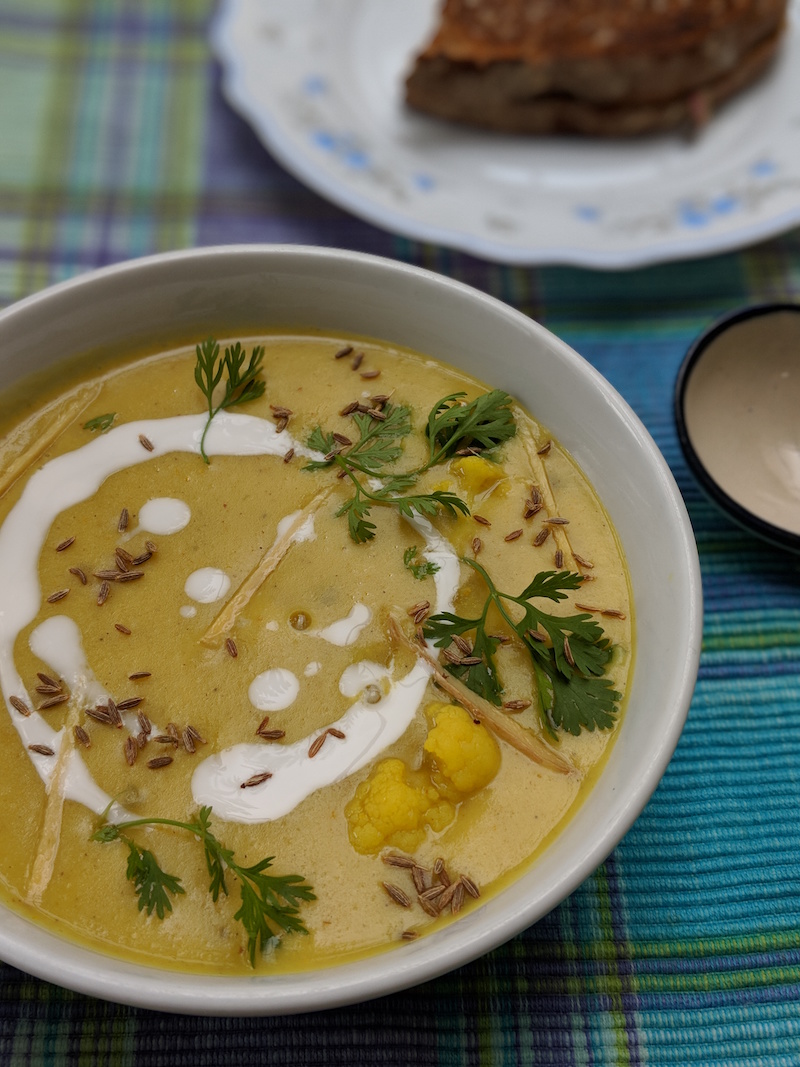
[737, 408]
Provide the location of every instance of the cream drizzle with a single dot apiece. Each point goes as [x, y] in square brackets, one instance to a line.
[345, 631]
[62, 483]
[274, 690]
[207, 585]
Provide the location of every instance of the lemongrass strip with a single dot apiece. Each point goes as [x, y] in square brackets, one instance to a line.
[540, 473]
[506, 729]
[35, 436]
[222, 625]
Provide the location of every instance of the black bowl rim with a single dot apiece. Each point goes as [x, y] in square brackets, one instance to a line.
[740, 514]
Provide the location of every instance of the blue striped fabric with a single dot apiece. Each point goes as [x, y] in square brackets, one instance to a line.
[684, 947]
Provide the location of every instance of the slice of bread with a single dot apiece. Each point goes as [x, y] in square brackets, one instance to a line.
[599, 67]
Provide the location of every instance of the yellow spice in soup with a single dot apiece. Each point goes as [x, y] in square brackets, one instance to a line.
[359, 674]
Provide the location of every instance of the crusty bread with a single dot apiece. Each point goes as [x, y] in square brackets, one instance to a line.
[603, 67]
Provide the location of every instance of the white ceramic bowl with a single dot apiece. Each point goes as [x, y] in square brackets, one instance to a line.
[230, 290]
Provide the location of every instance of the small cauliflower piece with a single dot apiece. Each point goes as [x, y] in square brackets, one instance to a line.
[478, 476]
[465, 756]
[393, 807]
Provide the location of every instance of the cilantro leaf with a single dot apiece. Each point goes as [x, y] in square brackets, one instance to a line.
[242, 384]
[151, 883]
[484, 423]
[100, 422]
[421, 569]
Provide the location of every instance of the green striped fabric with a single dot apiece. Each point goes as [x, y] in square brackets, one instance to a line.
[684, 948]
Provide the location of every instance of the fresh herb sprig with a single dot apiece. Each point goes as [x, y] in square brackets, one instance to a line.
[569, 653]
[419, 568]
[268, 902]
[482, 424]
[241, 386]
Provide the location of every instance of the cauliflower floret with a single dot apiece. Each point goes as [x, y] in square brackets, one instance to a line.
[465, 755]
[479, 477]
[392, 808]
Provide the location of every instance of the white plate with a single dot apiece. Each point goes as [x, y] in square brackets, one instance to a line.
[321, 81]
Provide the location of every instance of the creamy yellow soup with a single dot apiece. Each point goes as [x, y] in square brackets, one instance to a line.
[178, 635]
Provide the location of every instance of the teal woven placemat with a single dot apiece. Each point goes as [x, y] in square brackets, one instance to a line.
[684, 948]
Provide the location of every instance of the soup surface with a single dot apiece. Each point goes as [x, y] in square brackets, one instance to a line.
[331, 634]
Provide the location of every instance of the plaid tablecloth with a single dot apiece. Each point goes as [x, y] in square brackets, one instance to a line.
[684, 947]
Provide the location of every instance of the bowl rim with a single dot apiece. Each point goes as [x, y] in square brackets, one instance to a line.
[741, 515]
[46, 955]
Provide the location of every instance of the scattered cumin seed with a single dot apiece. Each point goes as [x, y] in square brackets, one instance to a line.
[113, 712]
[409, 935]
[130, 576]
[51, 702]
[20, 705]
[256, 779]
[122, 524]
[462, 644]
[451, 656]
[483, 521]
[535, 636]
[131, 749]
[47, 680]
[106, 576]
[271, 735]
[144, 723]
[349, 408]
[188, 742]
[568, 653]
[369, 374]
[173, 732]
[343, 352]
[432, 893]
[129, 702]
[447, 897]
[587, 607]
[558, 559]
[43, 750]
[317, 744]
[544, 449]
[122, 560]
[428, 907]
[145, 442]
[58, 595]
[583, 562]
[556, 521]
[65, 544]
[334, 732]
[504, 639]
[397, 859]
[421, 877]
[196, 735]
[530, 509]
[397, 894]
[613, 613]
[516, 705]
[102, 595]
[477, 545]
[151, 548]
[143, 558]
[380, 401]
[82, 737]
[423, 605]
[281, 412]
[141, 739]
[375, 413]
[440, 871]
[230, 647]
[49, 690]
[138, 674]
[470, 450]
[78, 574]
[541, 537]
[457, 902]
[513, 535]
[357, 360]
[164, 739]
[470, 661]
[158, 762]
[99, 714]
[288, 456]
[122, 629]
[342, 439]
[470, 886]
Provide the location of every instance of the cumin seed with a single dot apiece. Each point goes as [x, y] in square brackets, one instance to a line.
[483, 521]
[423, 605]
[343, 352]
[122, 629]
[374, 413]
[122, 524]
[613, 613]
[440, 872]
[587, 607]
[20, 705]
[334, 732]
[144, 723]
[558, 559]
[143, 558]
[288, 456]
[131, 750]
[397, 894]
[544, 449]
[99, 714]
[123, 560]
[477, 545]
[470, 886]
[451, 656]
[65, 544]
[43, 750]
[457, 902]
[59, 595]
[51, 702]
[271, 735]
[316, 745]
[568, 653]
[516, 705]
[107, 576]
[256, 779]
[557, 521]
[49, 690]
[173, 732]
[158, 762]
[164, 739]
[129, 702]
[428, 907]
[138, 674]
[409, 935]
[151, 548]
[113, 712]
[513, 535]
[82, 737]
[230, 648]
[462, 644]
[397, 859]
[421, 877]
[188, 742]
[535, 636]
[130, 576]
[47, 680]
[541, 537]
[141, 739]
[78, 574]
[369, 374]
[196, 735]
[349, 408]
[145, 442]
[470, 661]
[102, 595]
[357, 360]
[342, 439]
[432, 893]
[446, 898]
